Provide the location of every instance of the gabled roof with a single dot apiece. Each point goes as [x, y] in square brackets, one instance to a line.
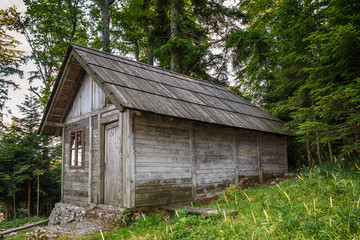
[139, 86]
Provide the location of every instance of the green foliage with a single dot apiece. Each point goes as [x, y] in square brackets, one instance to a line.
[10, 56]
[321, 203]
[300, 61]
[24, 155]
[48, 27]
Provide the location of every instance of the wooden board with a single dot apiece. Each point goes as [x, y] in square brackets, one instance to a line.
[112, 165]
[88, 98]
[163, 160]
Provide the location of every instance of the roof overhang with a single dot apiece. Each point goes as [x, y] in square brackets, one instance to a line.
[65, 84]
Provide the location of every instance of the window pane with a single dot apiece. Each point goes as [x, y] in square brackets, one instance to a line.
[72, 140]
[79, 157]
[72, 157]
[79, 136]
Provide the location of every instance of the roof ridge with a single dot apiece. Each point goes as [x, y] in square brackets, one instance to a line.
[218, 86]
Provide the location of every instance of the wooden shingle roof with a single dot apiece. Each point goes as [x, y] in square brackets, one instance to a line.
[139, 86]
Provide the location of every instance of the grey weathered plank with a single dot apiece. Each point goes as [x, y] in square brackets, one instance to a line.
[197, 210]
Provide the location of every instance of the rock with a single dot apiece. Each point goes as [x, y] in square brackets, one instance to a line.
[72, 221]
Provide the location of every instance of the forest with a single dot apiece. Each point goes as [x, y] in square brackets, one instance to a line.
[298, 60]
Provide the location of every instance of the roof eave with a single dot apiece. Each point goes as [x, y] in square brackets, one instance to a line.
[64, 66]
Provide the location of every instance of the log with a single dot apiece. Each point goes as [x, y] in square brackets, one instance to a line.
[2, 234]
[196, 210]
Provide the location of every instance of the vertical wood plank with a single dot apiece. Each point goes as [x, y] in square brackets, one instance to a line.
[126, 162]
[193, 160]
[236, 174]
[285, 156]
[62, 163]
[90, 159]
[258, 140]
[132, 159]
[101, 161]
[120, 124]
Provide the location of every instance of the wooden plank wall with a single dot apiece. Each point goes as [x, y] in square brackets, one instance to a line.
[75, 181]
[272, 154]
[89, 103]
[246, 153]
[89, 98]
[95, 160]
[162, 165]
[168, 149]
[214, 159]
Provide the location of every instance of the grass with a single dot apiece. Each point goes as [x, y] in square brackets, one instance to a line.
[321, 203]
[19, 222]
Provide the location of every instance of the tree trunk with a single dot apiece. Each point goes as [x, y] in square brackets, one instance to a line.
[150, 58]
[318, 148]
[308, 151]
[29, 199]
[174, 28]
[137, 52]
[331, 155]
[14, 206]
[105, 24]
[6, 210]
[38, 196]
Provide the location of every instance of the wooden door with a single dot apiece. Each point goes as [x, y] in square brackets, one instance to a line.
[112, 165]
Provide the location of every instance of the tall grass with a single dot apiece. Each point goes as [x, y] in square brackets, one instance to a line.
[321, 203]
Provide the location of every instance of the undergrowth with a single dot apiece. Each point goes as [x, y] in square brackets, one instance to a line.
[321, 203]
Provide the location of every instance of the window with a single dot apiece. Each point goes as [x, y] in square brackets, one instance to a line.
[76, 147]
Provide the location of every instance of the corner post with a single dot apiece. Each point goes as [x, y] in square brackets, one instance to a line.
[236, 173]
[192, 160]
[258, 140]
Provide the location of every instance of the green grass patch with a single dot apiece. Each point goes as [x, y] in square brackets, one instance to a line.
[19, 222]
[321, 203]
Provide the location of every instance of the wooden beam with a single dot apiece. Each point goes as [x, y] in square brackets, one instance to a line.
[30, 225]
[101, 159]
[193, 160]
[236, 174]
[86, 115]
[196, 210]
[120, 123]
[132, 158]
[285, 156]
[90, 159]
[54, 124]
[62, 163]
[258, 140]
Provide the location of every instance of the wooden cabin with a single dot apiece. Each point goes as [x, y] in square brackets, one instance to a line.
[135, 135]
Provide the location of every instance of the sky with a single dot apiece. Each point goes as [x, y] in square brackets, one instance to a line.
[17, 96]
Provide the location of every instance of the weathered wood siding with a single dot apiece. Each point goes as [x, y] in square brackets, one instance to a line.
[272, 154]
[75, 181]
[162, 165]
[95, 178]
[178, 160]
[89, 98]
[214, 159]
[85, 184]
[246, 153]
